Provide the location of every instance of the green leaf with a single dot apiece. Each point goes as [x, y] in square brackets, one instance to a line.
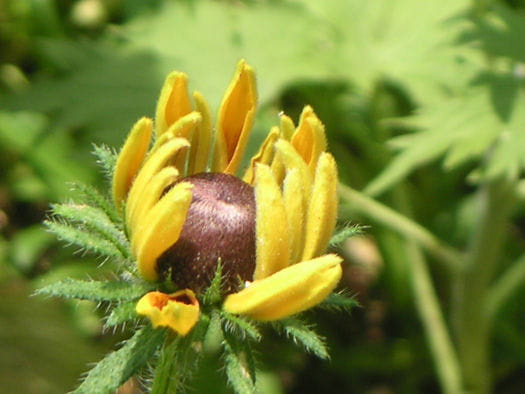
[84, 239]
[301, 333]
[339, 302]
[121, 314]
[240, 326]
[118, 366]
[94, 219]
[240, 365]
[111, 291]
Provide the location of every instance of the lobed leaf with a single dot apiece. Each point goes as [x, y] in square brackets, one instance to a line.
[345, 233]
[92, 196]
[110, 291]
[121, 314]
[106, 158]
[117, 367]
[240, 326]
[339, 302]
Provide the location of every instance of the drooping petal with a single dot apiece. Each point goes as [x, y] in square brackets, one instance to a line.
[156, 160]
[235, 120]
[201, 141]
[264, 156]
[309, 139]
[322, 209]
[271, 226]
[160, 228]
[289, 291]
[130, 159]
[295, 205]
[178, 311]
[174, 102]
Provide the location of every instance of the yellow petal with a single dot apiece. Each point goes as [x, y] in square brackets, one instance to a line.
[201, 141]
[309, 139]
[271, 227]
[322, 210]
[287, 292]
[152, 194]
[130, 158]
[287, 127]
[160, 228]
[291, 159]
[235, 120]
[184, 127]
[295, 204]
[173, 103]
[157, 160]
[264, 156]
[178, 311]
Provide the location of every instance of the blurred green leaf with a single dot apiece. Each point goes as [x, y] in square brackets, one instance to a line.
[28, 245]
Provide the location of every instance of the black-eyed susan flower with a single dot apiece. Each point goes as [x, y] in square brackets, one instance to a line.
[186, 210]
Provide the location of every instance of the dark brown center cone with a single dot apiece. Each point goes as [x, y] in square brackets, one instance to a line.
[220, 224]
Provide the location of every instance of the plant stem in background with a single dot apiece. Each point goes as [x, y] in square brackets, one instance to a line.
[426, 300]
[470, 303]
[403, 225]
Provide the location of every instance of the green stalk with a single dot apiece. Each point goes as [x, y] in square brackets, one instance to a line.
[427, 304]
[403, 225]
[472, 288]
[178, 359]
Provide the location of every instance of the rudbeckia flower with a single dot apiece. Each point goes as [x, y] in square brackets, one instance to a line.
[186, 210]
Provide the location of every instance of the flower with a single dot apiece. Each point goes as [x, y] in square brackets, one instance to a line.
[185, 212]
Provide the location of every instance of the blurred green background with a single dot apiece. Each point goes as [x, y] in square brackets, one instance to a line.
[424, 106]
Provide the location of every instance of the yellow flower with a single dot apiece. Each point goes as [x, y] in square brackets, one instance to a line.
[184, 211]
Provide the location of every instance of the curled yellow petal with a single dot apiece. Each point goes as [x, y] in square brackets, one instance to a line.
[173, 103]
[264, 156]
[158, 159]
[271, 226]
[289, 291]
[235, 120]
[160, 228]
[309, 139]
[322, 210]
[152, 194]
[287, 127]
[178, 311]
[201, 140]
[130, 158]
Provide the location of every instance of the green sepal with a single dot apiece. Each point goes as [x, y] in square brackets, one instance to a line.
[121, 314]
[213, 294]
[339, 302]
[117, 367]
[96, 290]
[106, 159]
[240, 326]
[303, 334]
[343, 234]
[93, 219]
[91, 196]
[84, 239]
[240, 364]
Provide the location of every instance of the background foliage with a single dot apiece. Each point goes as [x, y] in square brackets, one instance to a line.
[424, 105]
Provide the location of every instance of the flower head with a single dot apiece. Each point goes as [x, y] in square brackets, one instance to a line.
[186, 210]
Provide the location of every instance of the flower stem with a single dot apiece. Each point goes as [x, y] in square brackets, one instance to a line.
[178, 359]
[402, 225]
[470, 304]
